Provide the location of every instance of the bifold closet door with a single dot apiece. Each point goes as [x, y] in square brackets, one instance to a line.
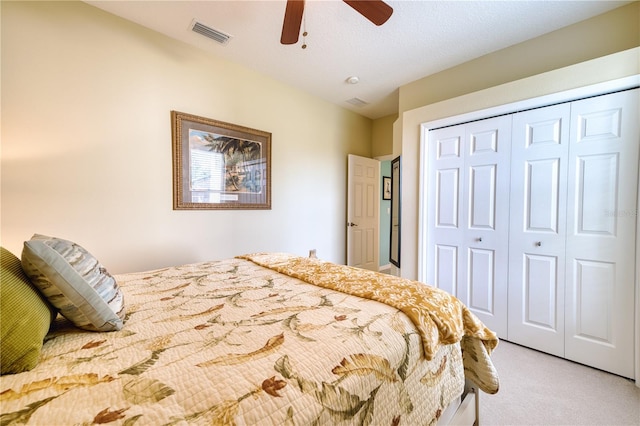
[601, 231]
[468, 219]
[539, 155]
[546, 200]
[445, 232]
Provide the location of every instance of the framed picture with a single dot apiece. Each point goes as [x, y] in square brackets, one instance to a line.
[218, 165]
[386, 187]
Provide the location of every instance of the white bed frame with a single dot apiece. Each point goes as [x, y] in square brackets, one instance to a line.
[466, 411]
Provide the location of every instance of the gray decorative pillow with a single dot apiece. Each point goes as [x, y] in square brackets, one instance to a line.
[74, 282]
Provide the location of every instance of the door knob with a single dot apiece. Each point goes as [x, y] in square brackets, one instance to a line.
[351, 224]
[480, 239]
[538, 243]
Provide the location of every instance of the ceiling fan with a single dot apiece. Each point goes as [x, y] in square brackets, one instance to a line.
[376, 11]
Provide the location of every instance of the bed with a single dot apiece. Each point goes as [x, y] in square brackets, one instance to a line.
[260, 339]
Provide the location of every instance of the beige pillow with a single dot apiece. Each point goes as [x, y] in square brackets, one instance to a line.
[74, 282]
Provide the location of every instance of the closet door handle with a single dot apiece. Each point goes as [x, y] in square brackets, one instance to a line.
[538, 243]
[479, 239]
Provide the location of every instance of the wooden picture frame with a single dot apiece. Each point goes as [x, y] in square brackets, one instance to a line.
[218, 165]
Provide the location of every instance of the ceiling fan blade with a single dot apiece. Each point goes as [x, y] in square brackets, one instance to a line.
[292, 21]
[376, 11]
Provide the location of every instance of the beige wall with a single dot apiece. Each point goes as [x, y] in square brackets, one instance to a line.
[593, 38]
[382, 136]
[86, 143]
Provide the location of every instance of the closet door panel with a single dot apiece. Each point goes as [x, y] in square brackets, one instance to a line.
[539, 156]
[486, 220]
[601, 230]
[595, 294]
[446, 268]
[445, 234]
[542, 188]
[447, 188]
[481, 272]
[541, 283]
[482, 197]
[467, 218]
[597, 181]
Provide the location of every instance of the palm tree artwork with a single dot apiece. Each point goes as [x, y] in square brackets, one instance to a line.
[243, 163]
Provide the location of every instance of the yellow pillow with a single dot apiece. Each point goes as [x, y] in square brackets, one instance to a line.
[25, 317]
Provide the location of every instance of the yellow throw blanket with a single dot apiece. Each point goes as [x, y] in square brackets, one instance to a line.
[439, 317]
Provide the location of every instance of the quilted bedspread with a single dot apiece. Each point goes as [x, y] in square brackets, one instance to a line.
[232, 342]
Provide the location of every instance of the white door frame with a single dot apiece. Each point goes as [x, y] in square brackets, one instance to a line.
[564, 96]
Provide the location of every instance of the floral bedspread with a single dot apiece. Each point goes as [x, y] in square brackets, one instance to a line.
[439, 317]
[231, 342]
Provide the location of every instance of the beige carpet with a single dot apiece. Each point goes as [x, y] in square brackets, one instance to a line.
[540, 389]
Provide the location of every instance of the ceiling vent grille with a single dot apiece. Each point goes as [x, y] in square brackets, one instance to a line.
[207, 31]
[357, 102]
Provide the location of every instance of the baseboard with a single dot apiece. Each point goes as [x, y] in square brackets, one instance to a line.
[385, 269]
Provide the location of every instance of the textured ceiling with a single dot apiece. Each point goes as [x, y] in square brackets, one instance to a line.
[420, 38]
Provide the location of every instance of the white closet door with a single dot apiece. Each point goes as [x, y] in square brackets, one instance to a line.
[469, 216]
[445, 230]
[539, 151]
[601, 229]
[486, 204]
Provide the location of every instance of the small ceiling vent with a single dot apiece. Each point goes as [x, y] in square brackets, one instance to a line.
[357, 102]
[207, 31]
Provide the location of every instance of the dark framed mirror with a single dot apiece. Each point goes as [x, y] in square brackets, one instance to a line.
[394, 246]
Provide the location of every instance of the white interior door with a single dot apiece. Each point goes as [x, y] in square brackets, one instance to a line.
[539, 160]
[469, 216]
[601, 229]
[363, 212]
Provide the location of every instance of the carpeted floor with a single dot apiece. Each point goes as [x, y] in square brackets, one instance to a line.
[540, 389]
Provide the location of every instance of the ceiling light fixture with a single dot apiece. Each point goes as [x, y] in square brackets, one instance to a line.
[353, 80]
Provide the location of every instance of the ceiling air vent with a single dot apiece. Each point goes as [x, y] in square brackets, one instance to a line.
[212, 33]
[357, 102]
